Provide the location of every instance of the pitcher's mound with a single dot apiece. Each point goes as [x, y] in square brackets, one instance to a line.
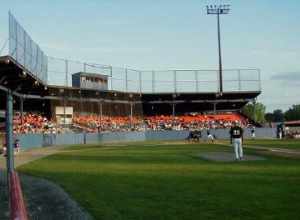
[227, 157]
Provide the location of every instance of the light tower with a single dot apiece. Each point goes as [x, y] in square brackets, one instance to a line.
[219, 10]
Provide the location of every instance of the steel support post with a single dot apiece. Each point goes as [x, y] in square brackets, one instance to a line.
[173, 110]
[215, 107]
[9, 132]
[175, 82]
[24, 49]
[220, 57]
[254, 109]
[259, 79]
[140, 82]
[64, 103]
[84, 67]
[239, 79]
[126, 80]
[22, 108]
[111, 78]
[131, 114]
[196, 80]
[101, 112]
[66, 69]
[153, 81]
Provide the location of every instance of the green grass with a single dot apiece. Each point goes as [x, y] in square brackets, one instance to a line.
[171, 182]
[275, 143]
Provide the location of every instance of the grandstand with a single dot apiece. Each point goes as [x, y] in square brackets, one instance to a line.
[83, 96]
[35, 96]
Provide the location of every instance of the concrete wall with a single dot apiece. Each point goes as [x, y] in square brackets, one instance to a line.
[38, 140]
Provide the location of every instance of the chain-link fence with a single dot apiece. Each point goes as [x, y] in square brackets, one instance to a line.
[153, 81]
[25, 51]
[56, 71]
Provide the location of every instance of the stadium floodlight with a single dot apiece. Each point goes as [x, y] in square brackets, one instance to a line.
[219, 10]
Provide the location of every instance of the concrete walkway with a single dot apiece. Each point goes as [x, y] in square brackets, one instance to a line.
[30, 155]
[47, 200]
[4, 214]
[21, 158]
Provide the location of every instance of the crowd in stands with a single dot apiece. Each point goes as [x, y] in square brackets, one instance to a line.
[292, 132]
[36, 123]
[33, 123]
[94, 123]
[194, 121]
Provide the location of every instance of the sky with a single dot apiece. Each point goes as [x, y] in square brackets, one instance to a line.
[171, 34]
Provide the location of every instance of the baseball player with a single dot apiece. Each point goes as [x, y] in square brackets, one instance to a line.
[253, 132]
[210, 137]
[236, 138]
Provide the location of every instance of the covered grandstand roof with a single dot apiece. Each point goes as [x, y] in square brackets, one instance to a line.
[24, 83]
[292, 123]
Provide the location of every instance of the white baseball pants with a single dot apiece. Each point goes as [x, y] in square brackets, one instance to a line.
[238, 149]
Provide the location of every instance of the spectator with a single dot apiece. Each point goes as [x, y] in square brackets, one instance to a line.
[36, 123]
[17, 146]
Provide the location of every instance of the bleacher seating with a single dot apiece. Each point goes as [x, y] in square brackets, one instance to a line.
[35, 123]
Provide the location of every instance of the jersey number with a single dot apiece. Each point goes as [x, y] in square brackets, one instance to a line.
[236, 132]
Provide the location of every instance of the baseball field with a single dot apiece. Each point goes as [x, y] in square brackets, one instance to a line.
[171, 180]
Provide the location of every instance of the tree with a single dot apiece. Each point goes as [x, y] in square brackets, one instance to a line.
[255, 111]
[269, 117]
[278, 115]
[293, 113]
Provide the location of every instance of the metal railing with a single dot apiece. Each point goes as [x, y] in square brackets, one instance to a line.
[156, 81]
[18, 210]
